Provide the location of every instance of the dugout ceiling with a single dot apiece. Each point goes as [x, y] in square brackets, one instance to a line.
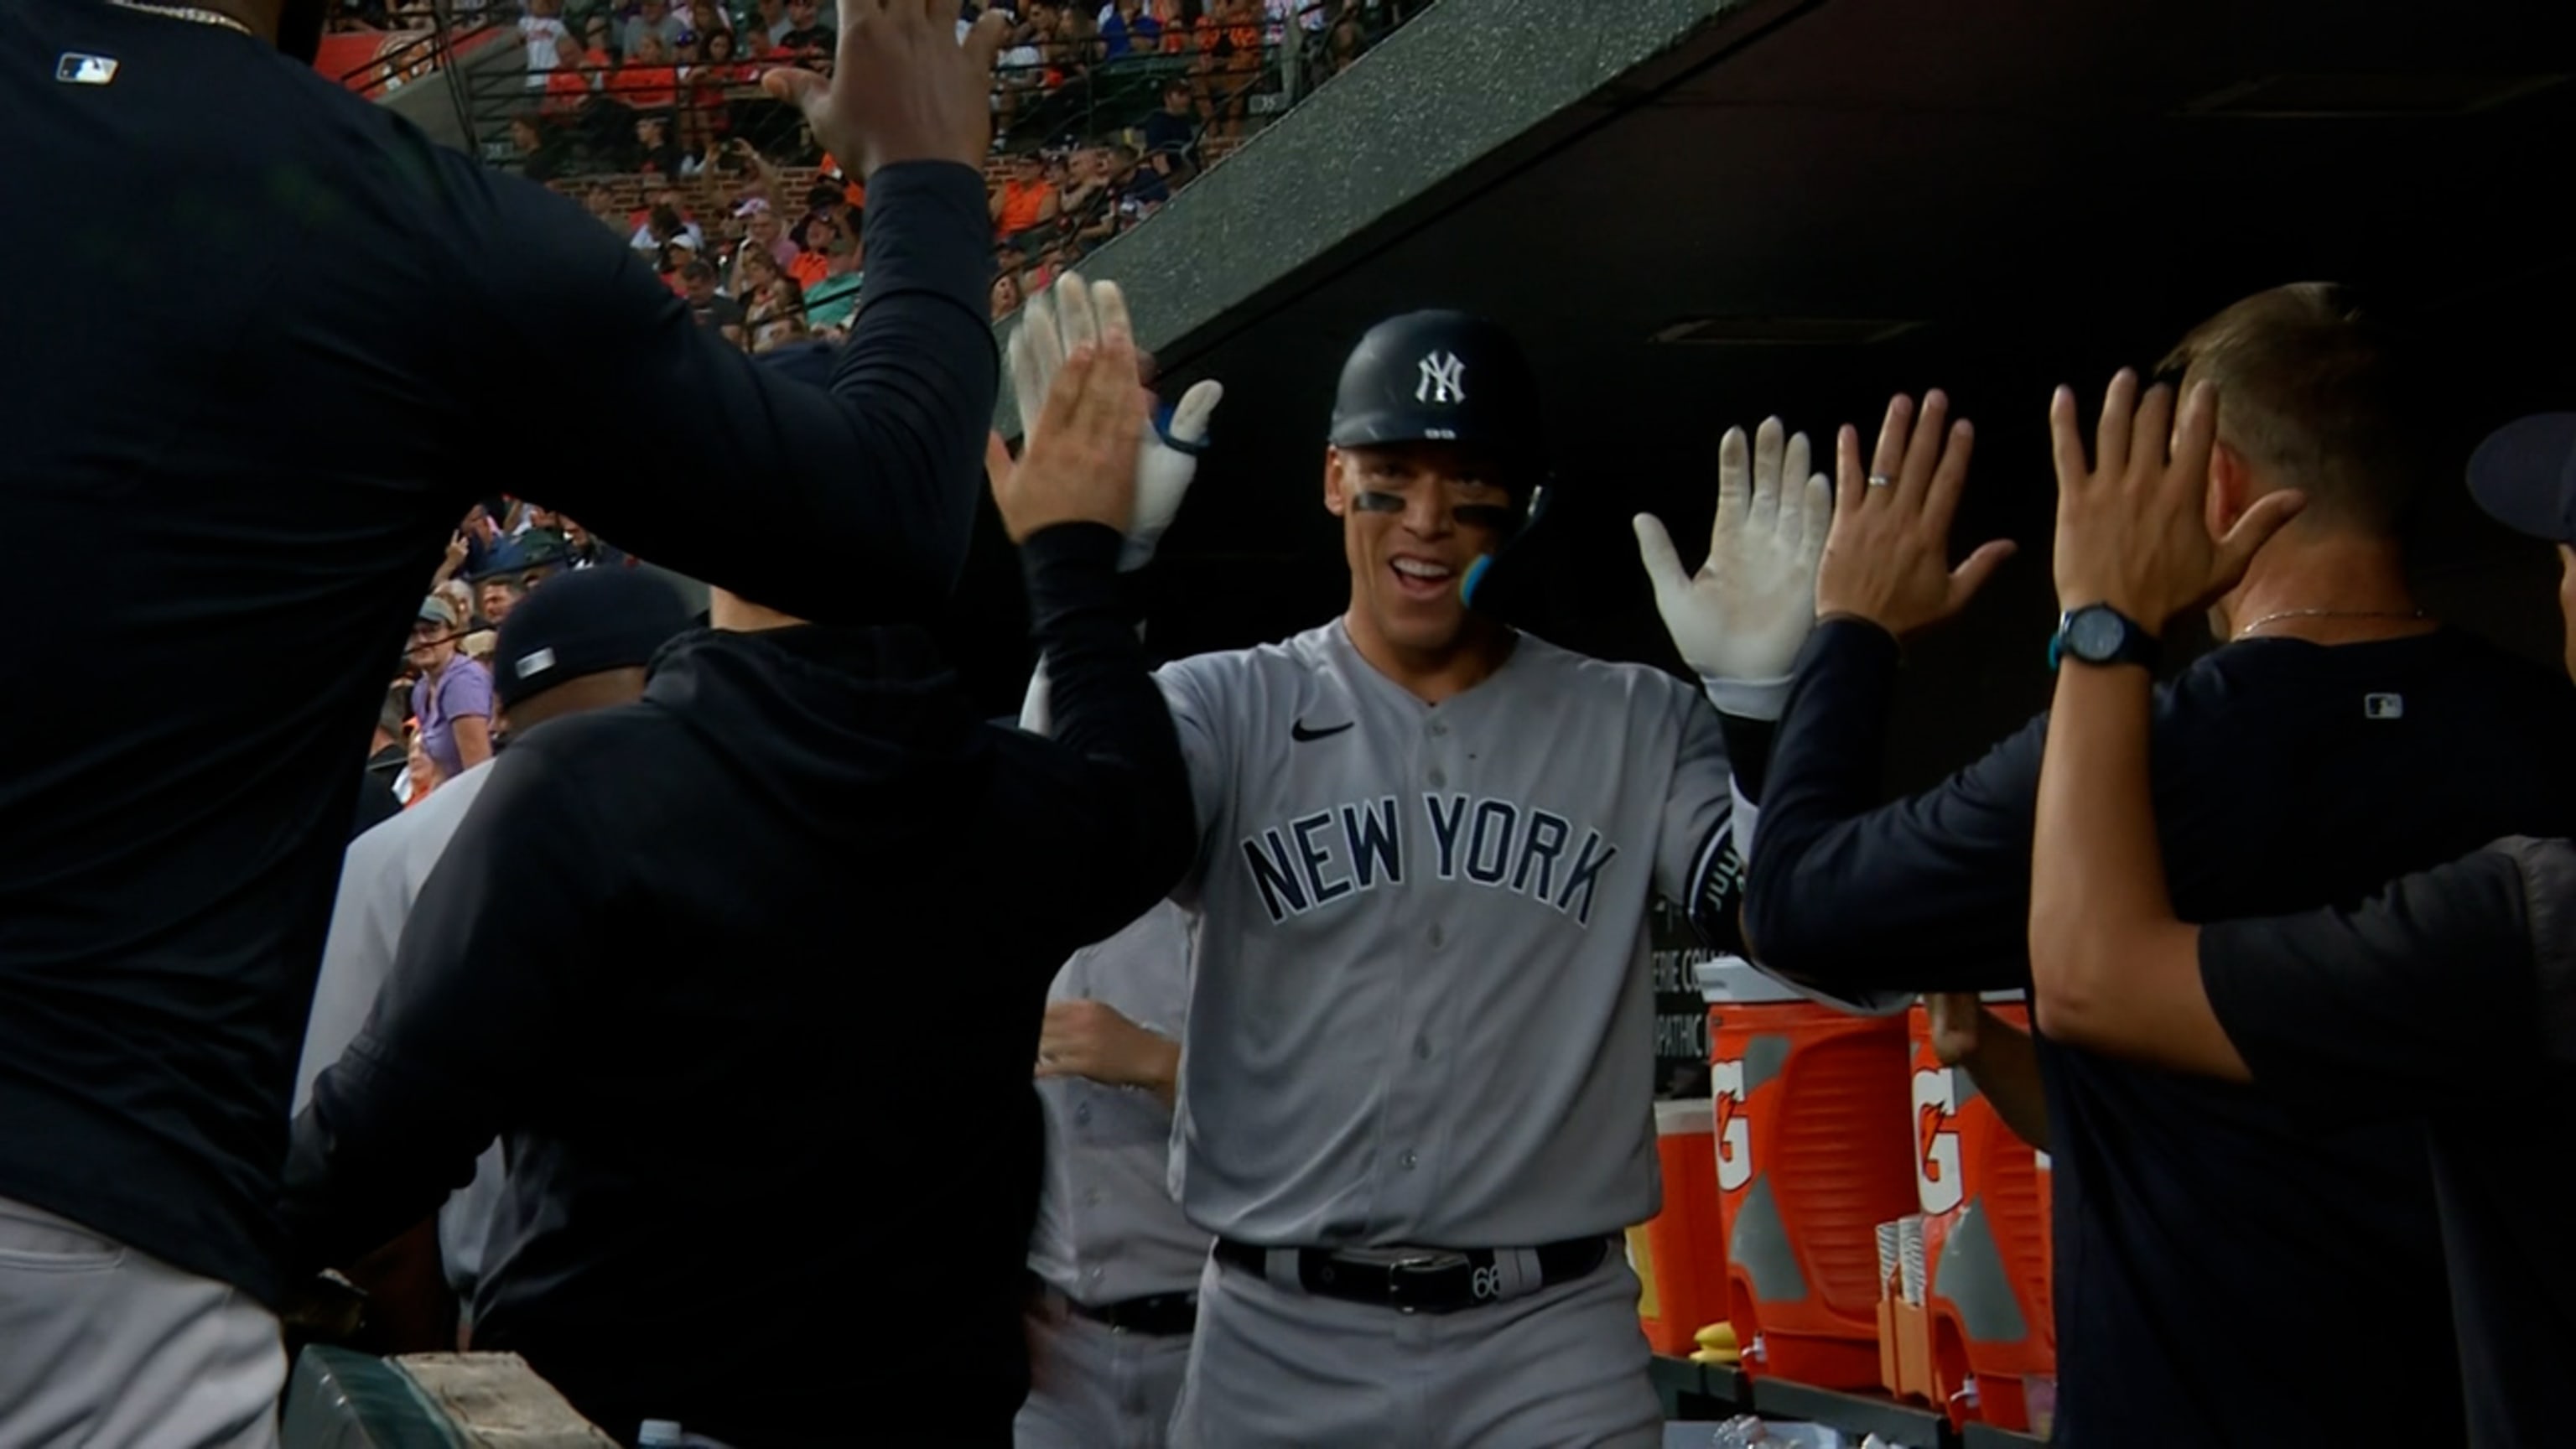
[1990, 197]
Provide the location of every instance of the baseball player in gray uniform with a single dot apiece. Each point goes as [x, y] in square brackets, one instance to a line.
[1117, 1266]
[1416, 1092]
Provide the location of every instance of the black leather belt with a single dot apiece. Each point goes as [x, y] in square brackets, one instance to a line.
[1430, 1282]
[1160, 1315]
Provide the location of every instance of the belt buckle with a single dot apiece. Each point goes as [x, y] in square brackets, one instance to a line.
[1418, 1265]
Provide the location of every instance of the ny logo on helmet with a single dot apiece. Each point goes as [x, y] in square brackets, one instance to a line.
[1443, 379]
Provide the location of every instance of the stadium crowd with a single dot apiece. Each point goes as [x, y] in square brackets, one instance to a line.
[653, 111]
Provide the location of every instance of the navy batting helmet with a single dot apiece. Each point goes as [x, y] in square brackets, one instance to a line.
[1443, 377]
[1449, 377]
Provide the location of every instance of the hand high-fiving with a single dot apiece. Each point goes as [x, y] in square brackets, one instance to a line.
[1745, 613]
[1080, 462]
[902, 87]
[2131, 530]
[1887, 559]
[1165, 463]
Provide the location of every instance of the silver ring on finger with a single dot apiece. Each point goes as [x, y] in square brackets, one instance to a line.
[1879, 480]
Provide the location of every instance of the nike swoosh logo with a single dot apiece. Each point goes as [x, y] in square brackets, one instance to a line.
[1301, 734]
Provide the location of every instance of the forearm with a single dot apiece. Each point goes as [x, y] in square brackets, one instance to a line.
[371, 1156]
[1101, 701]
[1924, 895]
[2005, 1067]
[2098, 897]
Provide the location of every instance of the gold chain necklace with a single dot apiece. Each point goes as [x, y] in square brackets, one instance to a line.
[189, 13]
[2274, 618]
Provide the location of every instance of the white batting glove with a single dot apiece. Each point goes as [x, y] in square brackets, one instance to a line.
[1742, 618]
[1064, 317]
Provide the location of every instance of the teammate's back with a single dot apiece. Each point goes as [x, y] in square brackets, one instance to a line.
[265, 344]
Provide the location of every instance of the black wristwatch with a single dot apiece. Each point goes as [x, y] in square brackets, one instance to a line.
[2100, 634]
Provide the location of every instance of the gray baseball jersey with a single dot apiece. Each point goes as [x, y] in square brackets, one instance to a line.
[1422, 1013]
[1107, 1227]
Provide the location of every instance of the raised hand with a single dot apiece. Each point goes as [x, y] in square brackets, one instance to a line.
[2131, 528]
[1751, 605]
[1050, 325]
[1080, 462]
[902, 86]
[1887, 559]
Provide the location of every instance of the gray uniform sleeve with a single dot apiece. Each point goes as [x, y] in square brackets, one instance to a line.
[1198, 704]
[1696, 861]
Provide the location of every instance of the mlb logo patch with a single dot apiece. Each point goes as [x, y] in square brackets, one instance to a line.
[2383, 706]
[78, 69]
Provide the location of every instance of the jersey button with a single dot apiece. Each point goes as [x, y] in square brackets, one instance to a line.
[1091, 1197]
[1407, 1159]
[1438, 728]
[1438, 935]
[1082, 1113]
[1438, 779]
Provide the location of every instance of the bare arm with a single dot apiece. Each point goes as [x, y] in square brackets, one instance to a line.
[1998, 1056]
[473, 739]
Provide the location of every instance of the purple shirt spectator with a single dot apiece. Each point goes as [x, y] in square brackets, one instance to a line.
[463, 688]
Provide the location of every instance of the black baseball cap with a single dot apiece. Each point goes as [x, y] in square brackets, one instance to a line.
[584, 623]
[2524, 476]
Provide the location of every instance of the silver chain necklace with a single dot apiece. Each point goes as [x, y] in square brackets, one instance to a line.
[190, 13]
[2278, 616]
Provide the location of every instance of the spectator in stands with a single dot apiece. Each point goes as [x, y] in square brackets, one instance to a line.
[1228, 65]
[707, 21]
[776, 314]
[540, 28]
[587, 551]
[656, 153]
[807, 37]
[833, 299]
[774, 25]
[495, 595]
[813, 241]
[570, 82]
[1018, 78]
[1024, 201]
[1171, 135]
[1127, 28]
[708, 307]
[677, 203]
[420, 773]
[540, 155]
[763, 233]
[707, 121]
[453, 700]
[1349, 36]
[1136, 191]
[378, 797]
[656, 20]
[1006, 292]
[647, 80]
[598, 39]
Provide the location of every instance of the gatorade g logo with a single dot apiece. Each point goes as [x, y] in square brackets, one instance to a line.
[1734, 1129]
[1936, 1146]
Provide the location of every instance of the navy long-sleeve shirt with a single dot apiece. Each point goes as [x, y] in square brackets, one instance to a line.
[2202, 1234]
[265, 346]
[697, 959]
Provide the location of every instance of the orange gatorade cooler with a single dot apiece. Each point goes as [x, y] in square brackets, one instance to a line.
[1809, 1163]
[1680, 1255]
[1980, 1190]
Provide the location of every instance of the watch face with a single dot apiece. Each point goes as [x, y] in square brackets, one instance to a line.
[2094, 635]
